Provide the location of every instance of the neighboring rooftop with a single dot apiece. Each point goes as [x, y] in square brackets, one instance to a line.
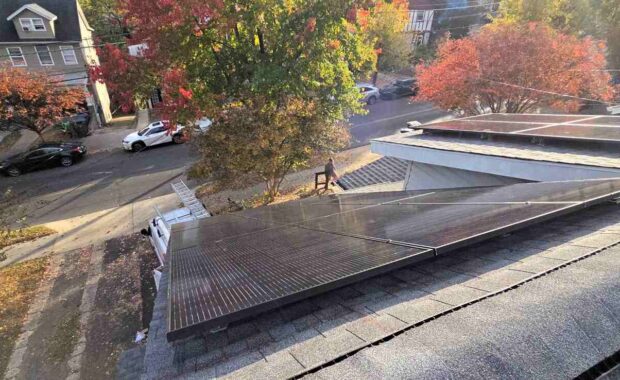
[382, 171]
[559, 153]
[562, 323]
[67, 27]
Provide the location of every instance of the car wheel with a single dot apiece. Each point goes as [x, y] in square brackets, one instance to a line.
[13, 171]
[178, 139]
[66, 161]
[372, 100]
[138, 146]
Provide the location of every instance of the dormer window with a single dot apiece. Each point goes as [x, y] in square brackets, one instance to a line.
[32, 24]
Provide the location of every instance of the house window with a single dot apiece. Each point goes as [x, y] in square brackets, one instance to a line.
[68, 55]
[32, 24]
[418, 17]
[45, 57]
[17, 57]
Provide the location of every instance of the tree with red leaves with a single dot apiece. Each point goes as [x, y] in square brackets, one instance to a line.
[130, 80]
[34, 101]
[514, 68]
[261, 61]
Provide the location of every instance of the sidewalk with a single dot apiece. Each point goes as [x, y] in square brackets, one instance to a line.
[89, 229]
[111, 137]
[26, 139]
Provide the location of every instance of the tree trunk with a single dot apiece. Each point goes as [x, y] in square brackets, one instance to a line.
[40, 134]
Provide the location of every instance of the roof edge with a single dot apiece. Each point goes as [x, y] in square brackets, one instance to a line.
[35, 9]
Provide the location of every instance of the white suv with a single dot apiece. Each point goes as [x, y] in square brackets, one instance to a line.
[154, 134]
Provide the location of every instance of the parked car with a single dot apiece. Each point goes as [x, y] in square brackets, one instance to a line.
[43, 156]
[370, 92]
[400, 88]
[156, 133]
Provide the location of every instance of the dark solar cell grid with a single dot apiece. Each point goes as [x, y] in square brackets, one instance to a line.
[207, 230]
[431, 225]
[573, 127]
[577, 131]
[531, 118]
[214, 284]
[229, 267]
[478, 126]
[611, 121]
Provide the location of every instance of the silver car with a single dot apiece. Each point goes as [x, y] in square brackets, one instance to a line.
[370, 92]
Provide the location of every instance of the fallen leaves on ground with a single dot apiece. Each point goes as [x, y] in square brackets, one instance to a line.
[18, 286]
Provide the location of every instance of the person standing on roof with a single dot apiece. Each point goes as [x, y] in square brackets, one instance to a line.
[330, 173]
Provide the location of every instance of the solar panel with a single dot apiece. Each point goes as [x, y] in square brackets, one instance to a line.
[564, 127]
[578, 131]
[226, 268]
[527, 118]
[480, 126]
[214, 284]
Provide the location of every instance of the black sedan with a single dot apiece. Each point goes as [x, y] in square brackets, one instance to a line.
[43, 156]
[400, 88]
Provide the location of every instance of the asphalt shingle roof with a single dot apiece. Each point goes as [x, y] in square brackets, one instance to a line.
[383, 170]
[562, 323]
[555, 327]
[67, 25]
[519, 150]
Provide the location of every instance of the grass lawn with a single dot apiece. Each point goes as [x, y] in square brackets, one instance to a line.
[18, 286]
[24, 234]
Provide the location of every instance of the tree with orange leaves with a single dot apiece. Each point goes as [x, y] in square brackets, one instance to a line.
[34, 100]
[510, 67]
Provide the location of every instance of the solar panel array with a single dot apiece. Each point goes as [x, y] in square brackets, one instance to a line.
[567, 127]
[226, 268]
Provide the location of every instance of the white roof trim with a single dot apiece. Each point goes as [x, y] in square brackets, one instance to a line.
[36, 9]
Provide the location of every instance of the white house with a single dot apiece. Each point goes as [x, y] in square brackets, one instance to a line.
[420, 22]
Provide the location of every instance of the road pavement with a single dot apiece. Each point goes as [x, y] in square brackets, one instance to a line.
[115, 178]
[388, 117]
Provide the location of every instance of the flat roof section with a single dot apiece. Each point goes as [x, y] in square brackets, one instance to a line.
[226, 268]
[563, 127]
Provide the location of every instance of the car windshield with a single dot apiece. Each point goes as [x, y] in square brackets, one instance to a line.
[142, 132]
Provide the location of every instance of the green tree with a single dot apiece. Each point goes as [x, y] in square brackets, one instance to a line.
[386, 25]
[106, 18]
[248, 65]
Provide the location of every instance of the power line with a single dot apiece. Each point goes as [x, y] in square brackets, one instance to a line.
[549, 92]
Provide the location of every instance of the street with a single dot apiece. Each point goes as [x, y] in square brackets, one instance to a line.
[114, 178]
[388, 117]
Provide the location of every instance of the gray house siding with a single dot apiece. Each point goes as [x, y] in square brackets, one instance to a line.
[32, 58]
